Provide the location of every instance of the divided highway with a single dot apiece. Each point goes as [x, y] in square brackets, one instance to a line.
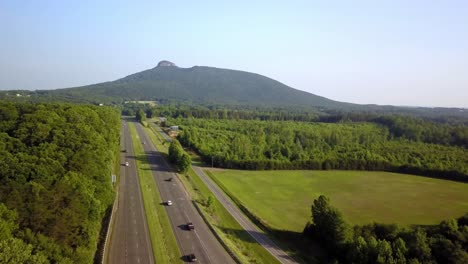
[199, 241]
[130, 241]
[243, 220]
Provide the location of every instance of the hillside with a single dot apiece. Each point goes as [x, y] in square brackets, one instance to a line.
[210, 86]
[200, 85]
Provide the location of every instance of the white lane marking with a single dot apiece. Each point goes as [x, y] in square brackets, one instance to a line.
[203, 246]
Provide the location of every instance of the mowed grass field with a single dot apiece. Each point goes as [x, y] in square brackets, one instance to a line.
[283, 198]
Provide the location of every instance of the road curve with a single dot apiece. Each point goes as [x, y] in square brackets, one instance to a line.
[130, 241]
[251, 228]
[200, 241]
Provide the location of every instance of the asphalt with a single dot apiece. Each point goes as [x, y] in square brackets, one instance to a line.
[199, 241]
[243, 220]
[129, 241]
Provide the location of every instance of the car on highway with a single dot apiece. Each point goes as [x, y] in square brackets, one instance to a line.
[169, 203]
[192, 258]
[190, 226]
[127, 164]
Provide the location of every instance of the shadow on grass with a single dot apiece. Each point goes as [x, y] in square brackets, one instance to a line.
[299, 247]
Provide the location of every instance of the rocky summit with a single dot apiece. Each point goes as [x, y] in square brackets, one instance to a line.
[165, 63]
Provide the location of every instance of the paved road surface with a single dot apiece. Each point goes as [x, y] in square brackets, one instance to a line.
[165, 136]
[130, 241]
[251, 228]
[200, 241]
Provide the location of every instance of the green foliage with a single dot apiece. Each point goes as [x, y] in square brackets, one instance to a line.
[140, 115]
[55, 167]
[328, 224]
[14, 250]
[379, 243]
[209, 201]
[178, 156]
[259, 145]
[7, 222]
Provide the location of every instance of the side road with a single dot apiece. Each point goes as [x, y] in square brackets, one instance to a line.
[251, 228]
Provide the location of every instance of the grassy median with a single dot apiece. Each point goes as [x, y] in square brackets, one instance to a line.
[246, 249]
[164, 244]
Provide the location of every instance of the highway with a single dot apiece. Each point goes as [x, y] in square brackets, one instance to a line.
[200, 241]
[129, 241]
[243, 220]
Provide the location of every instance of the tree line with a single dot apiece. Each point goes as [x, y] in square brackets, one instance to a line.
[386, 243]
[56, 162]
[263, 145]
[179, 157]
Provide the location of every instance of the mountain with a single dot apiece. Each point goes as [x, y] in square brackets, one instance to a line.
[203, 85]
[213, 86]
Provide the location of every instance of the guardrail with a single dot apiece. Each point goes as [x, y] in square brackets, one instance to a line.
[114, 208]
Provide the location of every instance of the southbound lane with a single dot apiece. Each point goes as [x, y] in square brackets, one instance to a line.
[200, 241]
[129, 241]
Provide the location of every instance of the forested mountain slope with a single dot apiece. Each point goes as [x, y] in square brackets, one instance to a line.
[214, 88]
[203, 85]
[55, 167]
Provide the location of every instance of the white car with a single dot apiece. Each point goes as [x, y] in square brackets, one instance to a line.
[127, 164]
[169, 202]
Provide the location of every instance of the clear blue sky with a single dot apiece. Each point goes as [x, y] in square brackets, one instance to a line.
[385, 52]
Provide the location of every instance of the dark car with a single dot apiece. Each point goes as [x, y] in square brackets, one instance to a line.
[190, 226]
[192, 258]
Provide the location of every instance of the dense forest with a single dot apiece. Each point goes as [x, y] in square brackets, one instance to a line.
[437, 150]
[303, 114]
[55, 166]
[387, 243]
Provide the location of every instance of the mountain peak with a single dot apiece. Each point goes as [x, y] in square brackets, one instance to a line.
[165, 63]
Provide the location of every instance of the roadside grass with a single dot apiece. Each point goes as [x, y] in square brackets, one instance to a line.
[246, 249]
[282, 199]
[163, 241]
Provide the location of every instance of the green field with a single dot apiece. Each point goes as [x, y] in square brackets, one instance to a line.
[283, 198]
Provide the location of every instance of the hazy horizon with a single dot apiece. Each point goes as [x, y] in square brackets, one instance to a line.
[396, 53]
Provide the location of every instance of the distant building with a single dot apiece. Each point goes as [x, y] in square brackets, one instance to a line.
[174, 128]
